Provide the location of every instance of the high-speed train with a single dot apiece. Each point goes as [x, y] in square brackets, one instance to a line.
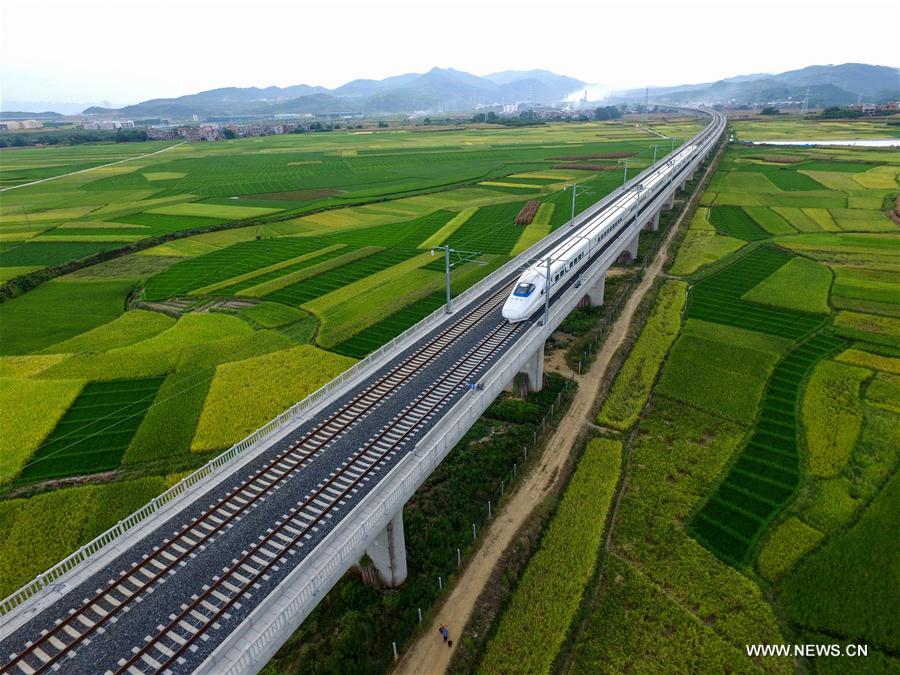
[571, 255]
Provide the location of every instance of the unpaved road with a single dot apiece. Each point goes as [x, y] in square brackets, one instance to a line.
[429, 654]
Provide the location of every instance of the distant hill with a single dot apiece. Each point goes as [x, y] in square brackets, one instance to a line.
[440, 89]
[827, 86]
[23, 115]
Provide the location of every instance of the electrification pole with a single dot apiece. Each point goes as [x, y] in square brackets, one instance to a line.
[447, 273]
[463, 256]
[574, 191]
[547, 294]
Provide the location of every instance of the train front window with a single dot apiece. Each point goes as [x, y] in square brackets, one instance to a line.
[523, 290]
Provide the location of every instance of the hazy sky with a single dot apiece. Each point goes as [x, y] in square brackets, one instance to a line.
[126, 51]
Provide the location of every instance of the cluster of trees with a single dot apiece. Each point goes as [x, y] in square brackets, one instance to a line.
[607, 112]
[70, 137]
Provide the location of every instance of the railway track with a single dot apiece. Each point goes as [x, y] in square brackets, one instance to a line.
[93, 614]
[165, 650]
[169, 647]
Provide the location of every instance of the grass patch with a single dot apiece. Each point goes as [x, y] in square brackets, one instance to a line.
[767, 471]
[717, 298]
[28, 365]
[213, 211]
[635, 626]
[276, 270]
[868, 327]
[66, 519]
[339, 278]
[539, 228]
[262, 287]
[272, 314]
[166, 431]
[235, 260]
[769, 220]
[719, 377]
[678, 454]
[864, 359]
[348, 315]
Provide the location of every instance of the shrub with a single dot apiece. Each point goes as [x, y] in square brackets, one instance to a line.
[514, 410]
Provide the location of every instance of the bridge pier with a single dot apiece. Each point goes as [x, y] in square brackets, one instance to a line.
[629, 253]
[388, 552]
[531, 378]
[653, 223]
[670, 200]
[594, 293]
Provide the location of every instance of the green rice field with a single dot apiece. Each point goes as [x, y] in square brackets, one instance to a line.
[764, 461]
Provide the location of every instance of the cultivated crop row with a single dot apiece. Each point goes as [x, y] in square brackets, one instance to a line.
[95, 432]
[717, 298]
[767, 471]
[537, 619]
[390, 327]
[736, 222]
[314, 287]
[226, 263]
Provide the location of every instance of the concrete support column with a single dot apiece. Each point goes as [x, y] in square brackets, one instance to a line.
[595, 291]
[670, 200]
[531, 378]
[653, 223]
[683, 185]
[388, 552]
[629, 253]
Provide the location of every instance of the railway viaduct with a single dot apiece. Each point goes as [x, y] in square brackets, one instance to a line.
[215, 574]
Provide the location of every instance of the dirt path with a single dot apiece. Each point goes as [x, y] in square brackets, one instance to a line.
[428, 654]
[72, 173]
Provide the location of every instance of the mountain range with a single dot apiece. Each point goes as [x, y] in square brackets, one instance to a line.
[446, 90]
[828, 85]
[440, 89]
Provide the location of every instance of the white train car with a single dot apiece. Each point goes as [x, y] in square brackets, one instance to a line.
[570, 256]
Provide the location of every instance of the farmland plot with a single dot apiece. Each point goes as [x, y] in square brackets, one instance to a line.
[95, 432]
